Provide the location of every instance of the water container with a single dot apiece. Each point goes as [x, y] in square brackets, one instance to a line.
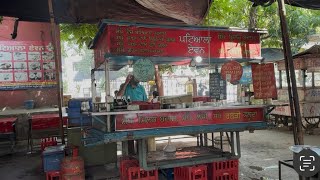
[29, 104]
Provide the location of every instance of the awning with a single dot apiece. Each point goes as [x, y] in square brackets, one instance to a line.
[92, 11]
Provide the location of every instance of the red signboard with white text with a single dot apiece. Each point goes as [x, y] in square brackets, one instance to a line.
[264, 81]
[188, 118]
[147, 41]
[231, 72]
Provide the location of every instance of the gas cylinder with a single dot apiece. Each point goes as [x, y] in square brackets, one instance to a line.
[72, 168]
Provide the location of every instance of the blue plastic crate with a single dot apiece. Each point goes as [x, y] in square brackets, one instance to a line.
[76, 103]
[80, 121]
[74, 113]
[52, 157]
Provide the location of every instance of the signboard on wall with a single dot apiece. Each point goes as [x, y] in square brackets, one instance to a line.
[146, 40]
[231, 72]
[26, 64]
[264, 81]
[217, 87]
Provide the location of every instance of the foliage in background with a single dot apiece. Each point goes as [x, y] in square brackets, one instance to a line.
[79, 34]
[1, 17]
[301, 22]
[85, 65]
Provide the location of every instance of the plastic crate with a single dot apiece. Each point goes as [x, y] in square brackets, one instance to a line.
[52, 157]
[76, 103]
[224, 170]
[80, 121]
[125, 163]
[136, 173]
[198, 172]
[130, 170]
[74, 115]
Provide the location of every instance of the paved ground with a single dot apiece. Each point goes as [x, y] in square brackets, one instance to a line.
[260, 154]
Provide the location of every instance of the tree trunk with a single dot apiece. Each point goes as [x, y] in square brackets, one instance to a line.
[253, 18]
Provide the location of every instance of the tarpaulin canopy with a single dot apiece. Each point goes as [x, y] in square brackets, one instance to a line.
[92, 11]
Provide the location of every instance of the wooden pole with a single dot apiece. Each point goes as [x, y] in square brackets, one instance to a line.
[290, 69]
[55, 37]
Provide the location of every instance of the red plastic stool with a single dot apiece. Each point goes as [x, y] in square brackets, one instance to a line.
[53, 174]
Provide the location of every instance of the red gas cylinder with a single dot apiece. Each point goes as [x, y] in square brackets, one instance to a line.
[72, 168]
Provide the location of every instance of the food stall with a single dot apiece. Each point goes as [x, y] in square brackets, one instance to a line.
[120, 44]
[307, 72]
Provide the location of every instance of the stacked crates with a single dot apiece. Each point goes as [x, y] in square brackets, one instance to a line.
[75, 118]
[130, 170]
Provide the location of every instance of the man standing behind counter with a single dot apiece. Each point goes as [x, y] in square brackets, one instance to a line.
[131, 88]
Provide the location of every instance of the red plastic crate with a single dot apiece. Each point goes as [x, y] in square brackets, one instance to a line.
[130, 170]
[7, 125]
[136, 173]
[198, 172]
[224, 170]
[125, 163]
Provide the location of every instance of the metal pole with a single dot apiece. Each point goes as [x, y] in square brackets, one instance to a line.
[54, 37]
[290, 67]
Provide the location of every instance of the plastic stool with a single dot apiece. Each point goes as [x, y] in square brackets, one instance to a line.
[53, 174]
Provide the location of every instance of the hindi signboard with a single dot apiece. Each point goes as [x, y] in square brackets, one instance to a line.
[26, 64]
[165, 41]
[264, 81]
[188, 118]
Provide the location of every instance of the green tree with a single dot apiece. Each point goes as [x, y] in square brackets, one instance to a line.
[301, 22]
[78, 34]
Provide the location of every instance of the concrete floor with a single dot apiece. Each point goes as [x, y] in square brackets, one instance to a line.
[261, 151]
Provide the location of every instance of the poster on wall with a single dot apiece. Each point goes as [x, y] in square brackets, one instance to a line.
[264, 81]
[26, 64]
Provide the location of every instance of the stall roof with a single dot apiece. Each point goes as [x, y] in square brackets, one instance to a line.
[92, 11]
[314, 50]
[116, 62]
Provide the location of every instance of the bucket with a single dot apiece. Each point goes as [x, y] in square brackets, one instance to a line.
[225, 143]
[29, 104]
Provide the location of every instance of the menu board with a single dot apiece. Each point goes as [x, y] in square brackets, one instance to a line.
[26, 64]
[264, 81]
[217, 86]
